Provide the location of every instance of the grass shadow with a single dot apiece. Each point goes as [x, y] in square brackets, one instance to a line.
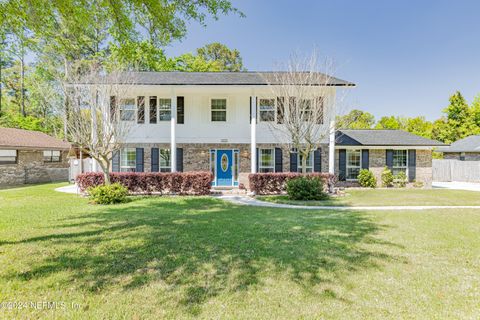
[204, 247]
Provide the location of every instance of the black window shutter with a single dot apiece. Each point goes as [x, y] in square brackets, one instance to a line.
[113, 107]
[140, 110]
[155, 159]
[250, 109]
[342, 164]
[180, 110]
[412, 165]
[280, 109]
[278, 160]
[257, 158]
[365, 159]
[153, 109]
[180, 159]
[139, 160]
[115, 161]
[389, 158]
[319, 102]
[317, 160]
[293, 161]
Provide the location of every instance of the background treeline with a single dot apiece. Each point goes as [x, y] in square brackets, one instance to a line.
[459, 120]
[41, 41]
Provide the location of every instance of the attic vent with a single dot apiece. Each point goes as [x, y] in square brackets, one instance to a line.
[223, 140]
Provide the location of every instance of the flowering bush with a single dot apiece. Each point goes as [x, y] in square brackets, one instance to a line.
[275, 183]
[194, 183]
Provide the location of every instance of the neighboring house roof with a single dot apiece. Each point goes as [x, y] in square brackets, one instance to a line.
[25, 139]
[382, 138]
[468, 144]
[220, 78]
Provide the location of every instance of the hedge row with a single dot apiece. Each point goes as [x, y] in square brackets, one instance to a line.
[275, 183]
[193, 183]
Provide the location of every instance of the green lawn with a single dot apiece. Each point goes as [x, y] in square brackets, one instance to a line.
[391, 197]
[175, 258]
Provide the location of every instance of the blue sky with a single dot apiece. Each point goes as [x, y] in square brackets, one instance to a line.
[406, 57]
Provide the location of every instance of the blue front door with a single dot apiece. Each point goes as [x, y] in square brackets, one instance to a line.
[224, 167]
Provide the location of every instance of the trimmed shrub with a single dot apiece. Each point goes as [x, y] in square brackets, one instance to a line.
[400, 180]
[366, 179]
[108, 194]
[191, 183]
[305, 188]
[275, 183]
[387, 177]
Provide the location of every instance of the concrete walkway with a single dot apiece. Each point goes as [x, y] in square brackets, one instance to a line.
[71, 188]
[249, 201]
[457, 185]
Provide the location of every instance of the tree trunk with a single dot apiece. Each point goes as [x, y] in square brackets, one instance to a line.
[304, 162]
[22, 84]
[105, 169]
[65, 118]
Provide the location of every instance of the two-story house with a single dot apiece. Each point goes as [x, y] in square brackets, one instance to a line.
[219, 121]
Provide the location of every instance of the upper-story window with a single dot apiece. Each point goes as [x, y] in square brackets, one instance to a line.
[266, 109]
[308, 165]
[127, 109]
[165, 109]
[306, 109]
[140, 110]
[128, 159]
[8, 156]
[51, 156]
[354, 163]
[219, 109]
[399, 161]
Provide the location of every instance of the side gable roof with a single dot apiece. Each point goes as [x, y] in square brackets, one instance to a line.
[382, 138]
[24, 139]
[468, 144]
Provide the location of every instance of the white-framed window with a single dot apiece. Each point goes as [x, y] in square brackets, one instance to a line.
[400, 161]
[354, 164]
[165, 160]
[165, 109]
[266, 108]
[128, 157]
[219, 110]
[51, 156]
[306, 109]
[127, 109]
[309, 163]
[266, 159]
[8, 156]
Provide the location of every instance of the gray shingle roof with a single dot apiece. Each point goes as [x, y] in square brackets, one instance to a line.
[468, 144]
[382, 138]
[219, 78]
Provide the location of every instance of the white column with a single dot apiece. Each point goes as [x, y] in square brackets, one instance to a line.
[173, 140]
[331, 148]
[253, 135]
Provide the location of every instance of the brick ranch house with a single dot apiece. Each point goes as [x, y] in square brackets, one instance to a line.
[218, 121]
[466, 149]
[31, 157]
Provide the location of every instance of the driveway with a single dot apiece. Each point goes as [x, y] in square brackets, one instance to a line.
[471, 186]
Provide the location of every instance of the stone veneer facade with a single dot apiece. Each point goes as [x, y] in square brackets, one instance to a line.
[30, 168]
[196, 157]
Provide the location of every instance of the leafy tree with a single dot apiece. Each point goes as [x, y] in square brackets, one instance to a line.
[419, 126]
[392, 123]
[356, 119]
[228, 59]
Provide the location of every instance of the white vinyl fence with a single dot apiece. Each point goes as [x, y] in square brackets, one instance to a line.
[456, 170]
[76, 169]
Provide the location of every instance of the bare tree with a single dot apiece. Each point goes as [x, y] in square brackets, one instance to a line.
[306, 103]
[92, 111]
